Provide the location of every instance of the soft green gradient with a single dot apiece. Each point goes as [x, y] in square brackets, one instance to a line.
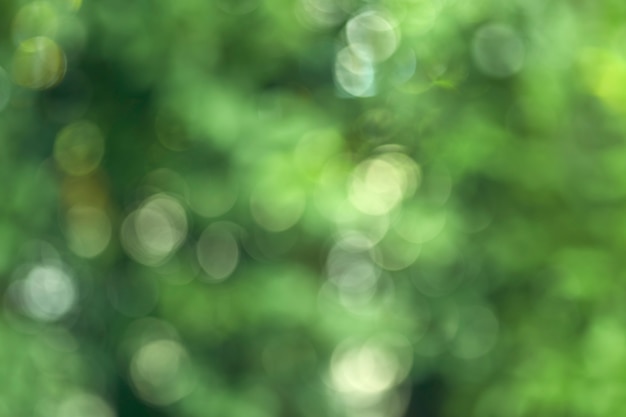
[262, 208]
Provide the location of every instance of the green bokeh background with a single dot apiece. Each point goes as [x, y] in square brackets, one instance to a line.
[278, 270]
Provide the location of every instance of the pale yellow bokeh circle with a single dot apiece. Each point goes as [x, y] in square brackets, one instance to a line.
[38, 63]
[79, 148]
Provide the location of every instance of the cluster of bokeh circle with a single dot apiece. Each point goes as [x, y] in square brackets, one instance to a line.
[390, 213]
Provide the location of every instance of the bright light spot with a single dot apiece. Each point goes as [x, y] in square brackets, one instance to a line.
[5, 89]
[477, 333]
[38, 63]
[277, 206]
[362, 371]
[498, 50]
[84, 404]
[88, 230]
[353, 74]
[155, 230]
[375, 187]
[47, 293]
[380, 183]
[372, 36]
[35, 19]
[161, 372]
[218, 252]
[79, 148]
[367, 370]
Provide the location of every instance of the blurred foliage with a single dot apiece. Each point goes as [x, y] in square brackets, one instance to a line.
[312, 208]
